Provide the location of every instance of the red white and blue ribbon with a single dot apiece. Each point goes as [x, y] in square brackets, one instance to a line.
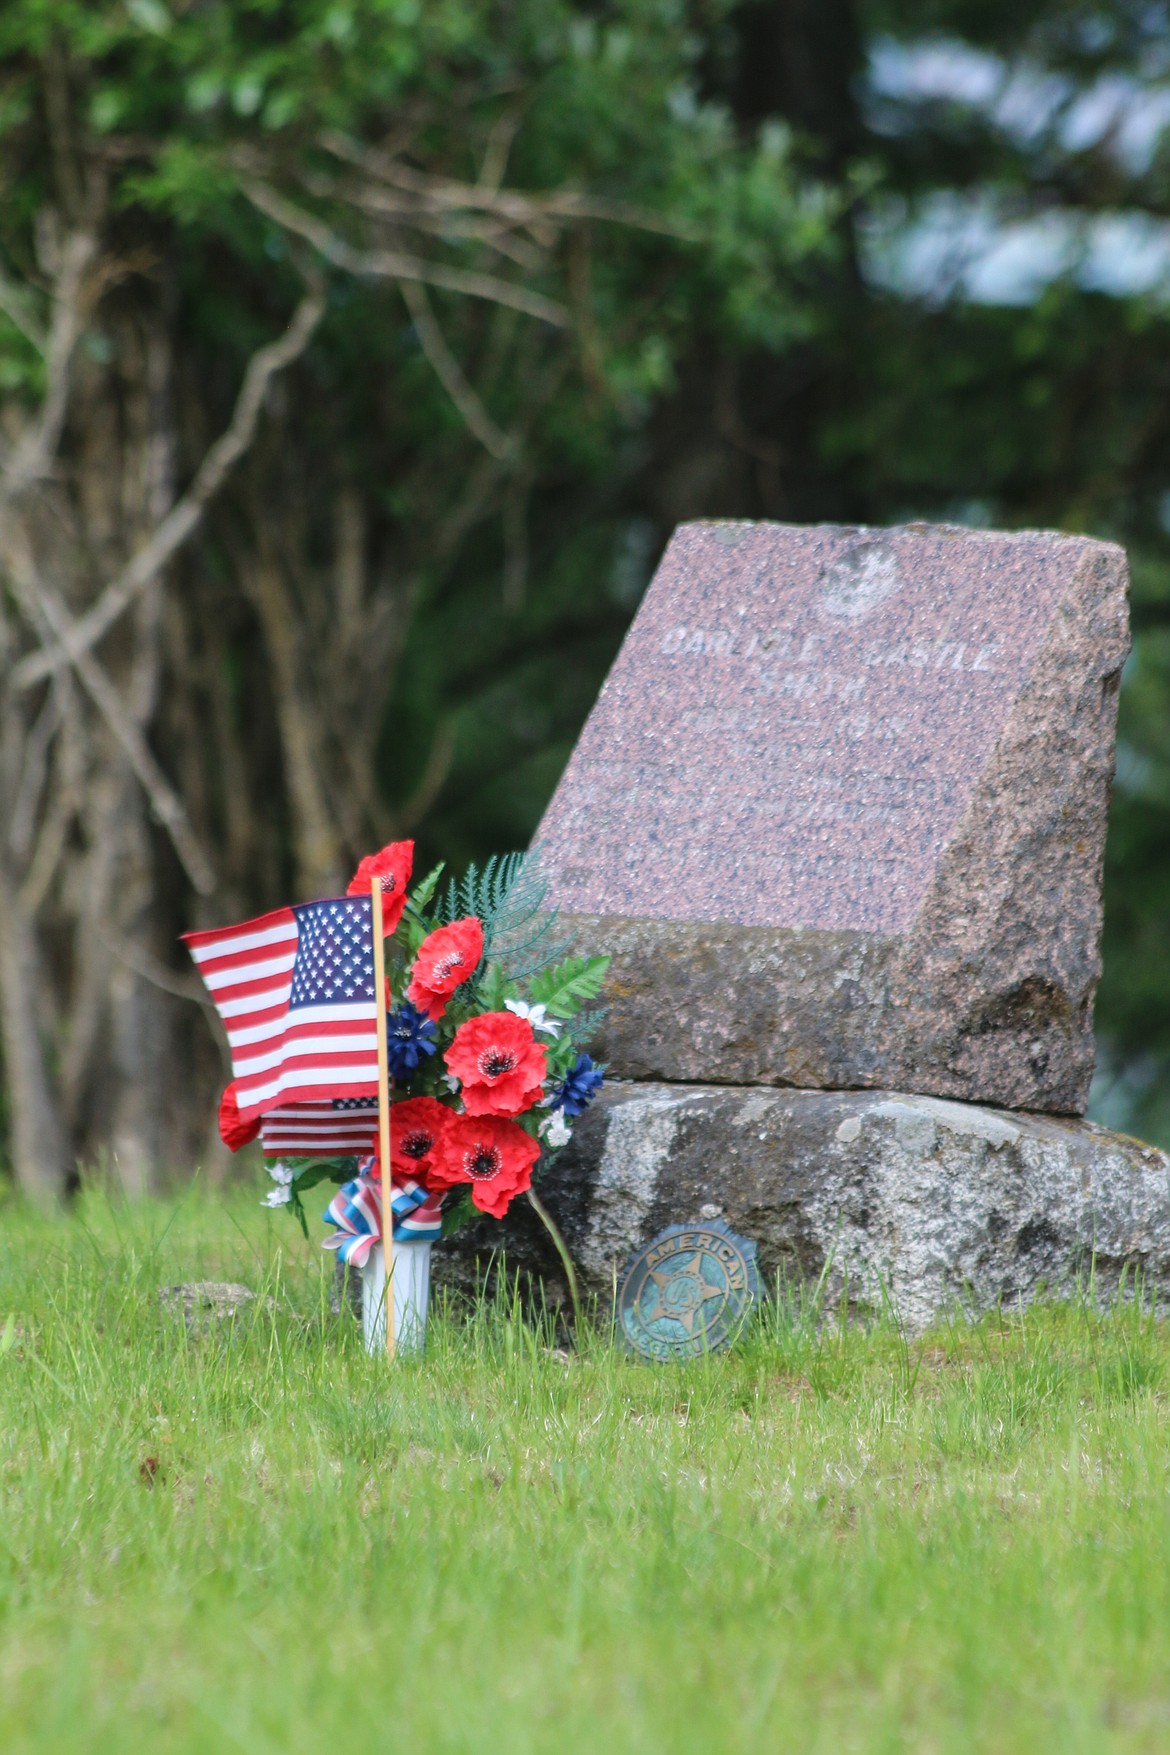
[355, 1212]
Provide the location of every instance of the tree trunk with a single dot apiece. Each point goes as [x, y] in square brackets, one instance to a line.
[40, 1155]
[319, 856]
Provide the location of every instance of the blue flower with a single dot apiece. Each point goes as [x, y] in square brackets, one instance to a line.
[409, 1035]
[578, 1087]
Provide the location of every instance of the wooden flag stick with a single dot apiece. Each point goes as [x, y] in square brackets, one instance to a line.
[383, 1108]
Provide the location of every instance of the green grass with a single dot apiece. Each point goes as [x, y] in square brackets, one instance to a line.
[824, 1541]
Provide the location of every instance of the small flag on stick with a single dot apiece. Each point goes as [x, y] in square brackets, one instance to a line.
[296, 992]
[383, 1107]
[347, 1127]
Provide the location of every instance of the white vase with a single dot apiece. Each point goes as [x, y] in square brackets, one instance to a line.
[411, 1277]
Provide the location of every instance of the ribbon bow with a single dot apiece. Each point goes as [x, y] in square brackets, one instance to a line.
[355, 1212]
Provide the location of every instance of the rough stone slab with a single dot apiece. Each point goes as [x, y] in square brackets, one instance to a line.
[839, 811]
[947, 1205]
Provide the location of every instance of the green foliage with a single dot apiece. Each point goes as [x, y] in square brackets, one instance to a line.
[459, 1212]
[421, 893]
[831, 1538]
[243, 152]
[508, 898]
[525, 936]
[483, 892]
[1133, 1087]
[416, 922]
[307, 1174]
[494, 988]
[563, 989]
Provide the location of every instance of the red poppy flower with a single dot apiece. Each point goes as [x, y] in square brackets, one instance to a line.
[499, 1063]
[494, 1155]
[393, 865]
[417, 1127]
[232, 1131]
[446, 958]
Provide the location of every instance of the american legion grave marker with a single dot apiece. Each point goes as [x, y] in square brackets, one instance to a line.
[839, 816]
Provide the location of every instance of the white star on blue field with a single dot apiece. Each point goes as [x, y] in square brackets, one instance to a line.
[335, 955]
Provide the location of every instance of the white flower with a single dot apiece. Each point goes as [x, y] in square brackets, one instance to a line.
[282, 1193]
[451, 1082]
[535, 1015]
[556, 1130]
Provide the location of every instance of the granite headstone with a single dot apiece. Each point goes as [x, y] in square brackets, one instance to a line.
[839, 811]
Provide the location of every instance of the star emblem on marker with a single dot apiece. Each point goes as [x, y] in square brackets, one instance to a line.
[683, 1291]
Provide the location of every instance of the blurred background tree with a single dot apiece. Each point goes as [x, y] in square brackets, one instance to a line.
[359, 357]
[331, 333]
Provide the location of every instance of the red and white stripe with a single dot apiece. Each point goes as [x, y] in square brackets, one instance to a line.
[317, 1130]
[314, 1052]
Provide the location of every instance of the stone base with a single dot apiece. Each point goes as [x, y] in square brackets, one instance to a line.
[939, 1205]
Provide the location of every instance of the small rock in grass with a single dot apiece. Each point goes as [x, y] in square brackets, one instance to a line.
[201, 1303]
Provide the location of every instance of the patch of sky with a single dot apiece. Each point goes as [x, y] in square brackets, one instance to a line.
[682, 104]
[633, 562]
[1021, 97]
[981, 244]
[1127, 115]
[1124, 113]
[975, 245]
[975, 514]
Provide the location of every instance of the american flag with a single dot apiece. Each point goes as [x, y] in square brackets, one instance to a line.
[295, 990]
[347, 1127]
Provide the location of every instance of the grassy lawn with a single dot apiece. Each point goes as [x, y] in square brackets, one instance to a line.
[824, 1541]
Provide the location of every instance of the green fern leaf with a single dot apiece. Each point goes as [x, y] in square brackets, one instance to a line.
[563, 989]
[422, 893]
[462, 1212]
[495, 988]
[587, 1023]
[508, 896]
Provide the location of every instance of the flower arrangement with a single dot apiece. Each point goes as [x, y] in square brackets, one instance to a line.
[486, 1017]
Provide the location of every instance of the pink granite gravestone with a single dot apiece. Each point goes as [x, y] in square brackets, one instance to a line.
[839, 811]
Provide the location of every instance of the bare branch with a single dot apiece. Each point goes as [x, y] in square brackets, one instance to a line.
[164, 801]
[13, 305]
[31, 457]
[54, 833]
[148, 967]
[34, 770]
[520, 208]
[450, 374]
[495, 158]
[395, 264]
[495, 233]
[64, 800]
[319, 855]
[183, 517]
[433, 777]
